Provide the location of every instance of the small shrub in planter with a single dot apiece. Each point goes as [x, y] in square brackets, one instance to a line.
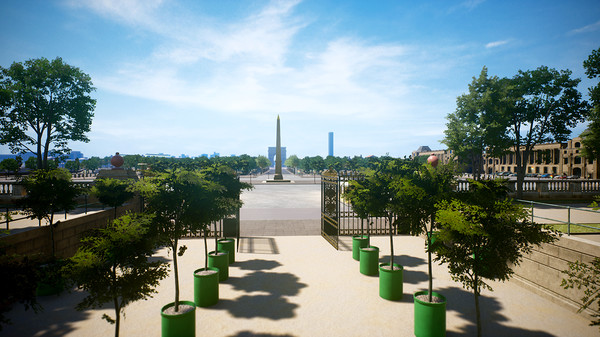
[483, 234]
[112, 265]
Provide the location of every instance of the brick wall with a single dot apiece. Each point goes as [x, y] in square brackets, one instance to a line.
[540, 271]
[66, 234]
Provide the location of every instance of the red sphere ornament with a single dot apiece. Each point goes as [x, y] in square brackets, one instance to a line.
[116, 160]
[433, 160]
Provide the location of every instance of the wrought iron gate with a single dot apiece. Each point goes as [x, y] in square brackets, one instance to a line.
[337, 216]
[330, 207]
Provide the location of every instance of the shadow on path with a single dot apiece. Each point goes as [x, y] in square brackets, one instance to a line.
[463, 302]
[277, 286]
[257, 264]
[56, 319]
[258, 245]
[255, 334]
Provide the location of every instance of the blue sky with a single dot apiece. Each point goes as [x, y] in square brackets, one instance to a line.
[193, 77]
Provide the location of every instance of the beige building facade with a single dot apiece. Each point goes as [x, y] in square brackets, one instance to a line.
[558, 159]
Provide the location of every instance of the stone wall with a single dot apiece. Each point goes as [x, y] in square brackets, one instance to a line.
[66, 234]
[540, 271]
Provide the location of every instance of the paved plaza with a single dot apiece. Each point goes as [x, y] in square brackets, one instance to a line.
[288, 281]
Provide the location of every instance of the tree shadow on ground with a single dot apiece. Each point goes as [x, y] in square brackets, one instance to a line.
[257, 264]
[266, 306]
[273, 305]
[463, 302]
[57, 318]
[257, 334]
[279, 284]
[404, 260]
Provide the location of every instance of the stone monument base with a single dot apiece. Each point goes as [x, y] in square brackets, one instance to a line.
[120, 174]
[278, 181]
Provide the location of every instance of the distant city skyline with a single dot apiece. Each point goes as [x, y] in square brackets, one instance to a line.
[182, 76]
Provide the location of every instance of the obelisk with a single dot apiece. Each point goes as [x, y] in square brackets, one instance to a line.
[278, 175]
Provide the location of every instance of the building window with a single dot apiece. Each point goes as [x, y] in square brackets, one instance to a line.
[490, 161]
[554, 170]
[577, 144]
[566, 161]
[577, 160]
[545, 169]
[537, 169]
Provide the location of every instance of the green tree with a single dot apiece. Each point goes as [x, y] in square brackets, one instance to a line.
[31, 163]
[48, 192]
[73, 165]
[383, 193]
[485, 234]
[263, 162]
[47, 104]
[131, 161]
[317, 164]
[181, 201]
[292, 161]
[581, 275]
[113, 192]
[112, 266]
[541, 106]
[590, 138]
[473, 129]
[92, 163]
[10, 165]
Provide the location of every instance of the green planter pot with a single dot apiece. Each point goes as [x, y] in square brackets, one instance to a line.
[430, 318]
[220, 262]
[178, 325]
[390, 282]
[206, 288]
[358, 242]
[229, 246]
[369, 260]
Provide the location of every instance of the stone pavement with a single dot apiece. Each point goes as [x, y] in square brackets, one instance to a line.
[301, 286]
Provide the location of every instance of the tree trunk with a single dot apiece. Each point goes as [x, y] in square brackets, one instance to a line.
[205, 249]
[52, 232]
[391, 245]
[176, 271]
[116, 302]
[477, 311]
[47, 145]
[216, 240]
[429, 268]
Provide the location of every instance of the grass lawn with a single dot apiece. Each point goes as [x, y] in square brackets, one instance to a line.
[576, 229]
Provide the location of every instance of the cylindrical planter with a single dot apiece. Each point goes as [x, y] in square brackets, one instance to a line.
[229, 246]
[369, 260]
[430, 318]
[220, 262]
[206, 287]
[358, 242]
[181, 324]
[390, 282]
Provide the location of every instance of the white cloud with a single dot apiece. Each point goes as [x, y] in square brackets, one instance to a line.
[586, 29]
[495, 44]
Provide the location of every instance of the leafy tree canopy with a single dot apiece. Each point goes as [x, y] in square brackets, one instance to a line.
[45, 104]
[112, 266]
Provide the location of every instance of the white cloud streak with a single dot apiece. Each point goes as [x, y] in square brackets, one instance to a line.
[586, 29]
[495, 44]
